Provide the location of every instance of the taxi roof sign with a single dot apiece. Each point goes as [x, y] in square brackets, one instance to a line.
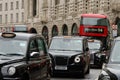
[67, 36]
[90, 40]
[8, 35]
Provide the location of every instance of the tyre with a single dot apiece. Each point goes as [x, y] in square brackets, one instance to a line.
[25, 77]
[48, 76]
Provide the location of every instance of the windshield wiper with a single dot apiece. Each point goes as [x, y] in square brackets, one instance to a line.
[14, 54]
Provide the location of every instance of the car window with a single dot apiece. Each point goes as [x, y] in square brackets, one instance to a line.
[94, 45]
[33, 46]
[66, 44]
[8, 46]
[115, 56]
[41, 46]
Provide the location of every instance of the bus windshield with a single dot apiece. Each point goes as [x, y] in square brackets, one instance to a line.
[94, 21]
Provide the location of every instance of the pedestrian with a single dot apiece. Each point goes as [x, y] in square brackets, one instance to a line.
[114, 28]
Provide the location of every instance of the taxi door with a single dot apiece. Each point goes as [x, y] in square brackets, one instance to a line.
[35, 61]
[45, 60]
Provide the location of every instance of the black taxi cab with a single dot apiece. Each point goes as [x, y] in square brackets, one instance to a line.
[23, 56]
[111, 67]
[70, 54]
[97, 53]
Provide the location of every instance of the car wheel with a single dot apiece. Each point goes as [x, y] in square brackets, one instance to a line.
[48, 76]
[25, 77]
[81, 74]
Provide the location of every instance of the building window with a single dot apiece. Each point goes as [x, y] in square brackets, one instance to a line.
[6, 6]
[67, 1]
[6, 18]
[57, 2]
[11, 5]
[22, 4]
[0, 7]
[11, 18]
[17, 4]
[0, 19]
[34, 7]
[22, 17]
[17, 17]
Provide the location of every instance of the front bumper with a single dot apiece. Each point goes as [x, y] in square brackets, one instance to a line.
[7, 78]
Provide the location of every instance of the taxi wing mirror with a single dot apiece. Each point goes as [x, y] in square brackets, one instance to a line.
[35, 55]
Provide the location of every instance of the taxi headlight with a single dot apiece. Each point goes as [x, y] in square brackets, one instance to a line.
[8, 70]
[77, 59]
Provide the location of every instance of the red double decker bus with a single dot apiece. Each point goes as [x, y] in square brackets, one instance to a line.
[96, 26]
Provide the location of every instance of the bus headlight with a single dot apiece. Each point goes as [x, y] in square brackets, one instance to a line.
[77, 59]
[8, 70]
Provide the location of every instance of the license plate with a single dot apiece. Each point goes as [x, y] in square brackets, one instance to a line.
[60, 68]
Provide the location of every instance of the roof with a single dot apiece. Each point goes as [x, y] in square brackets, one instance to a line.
[94, 15]
[24, 36]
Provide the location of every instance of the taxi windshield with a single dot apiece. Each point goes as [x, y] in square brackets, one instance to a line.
[94, 45]
[115, 56]
[13, 47]
[66, 44]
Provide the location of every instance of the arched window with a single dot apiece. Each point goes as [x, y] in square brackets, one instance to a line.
[54, 31]
[74, 30]
[64, 30]
[45, 33]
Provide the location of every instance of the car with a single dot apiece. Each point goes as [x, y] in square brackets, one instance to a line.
[97, 53]
[23, 29]
[24, 56]
[70, 54]
[111, 67]
[20, 28]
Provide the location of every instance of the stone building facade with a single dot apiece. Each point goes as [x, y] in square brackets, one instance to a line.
[56, 17]
[62, 17]
[12, 12]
